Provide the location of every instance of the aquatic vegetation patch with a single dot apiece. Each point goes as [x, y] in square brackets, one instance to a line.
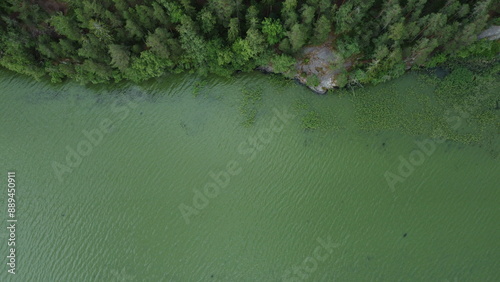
[316, 118]
[459, 107]
[311, 120]
[473, 98]
[252, 96]
[198, 86]
[378, 108]
[300, 104]
[278, 80]
[459, 84]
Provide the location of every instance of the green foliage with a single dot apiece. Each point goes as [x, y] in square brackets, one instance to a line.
[137, 40]
[20, 59]
[357, 77]
[342, 79]
[283, 63]
[313, 80]
[174, 11]
[242, 48]
[273, 30]
[436, 60]
[487, 49]
[224, 8]
[348, 47]
[147, 65]
[92, 72]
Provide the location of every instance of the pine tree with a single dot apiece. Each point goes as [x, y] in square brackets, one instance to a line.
[391, 13]
[157, 42]
[174, 11]
[421, 51]
[192, 42]
[234, 30]
[257, 42]
[160, 14]
[64, 26]
[207, 20]
[413, 9]
[224, 9]
[344, 21]
[134, 28]
[252, 17]
[93, 72]
[308, 13]
[397, 31]
[324, 6]
[289, 13]
[120, 56]
[92, 48]
[145, 17]
[101, 31]
[322, 29]
[297, 36]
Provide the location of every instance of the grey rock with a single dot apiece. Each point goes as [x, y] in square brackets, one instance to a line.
[492, 33]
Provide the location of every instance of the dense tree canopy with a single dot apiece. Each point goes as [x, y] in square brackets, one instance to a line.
[112, 40]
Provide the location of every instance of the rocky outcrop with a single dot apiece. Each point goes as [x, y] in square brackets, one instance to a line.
[315, 68]
[492, 33]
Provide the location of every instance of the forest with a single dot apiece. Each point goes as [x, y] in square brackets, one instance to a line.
[116, 40]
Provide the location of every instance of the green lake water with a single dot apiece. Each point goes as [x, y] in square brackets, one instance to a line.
[110, 183]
